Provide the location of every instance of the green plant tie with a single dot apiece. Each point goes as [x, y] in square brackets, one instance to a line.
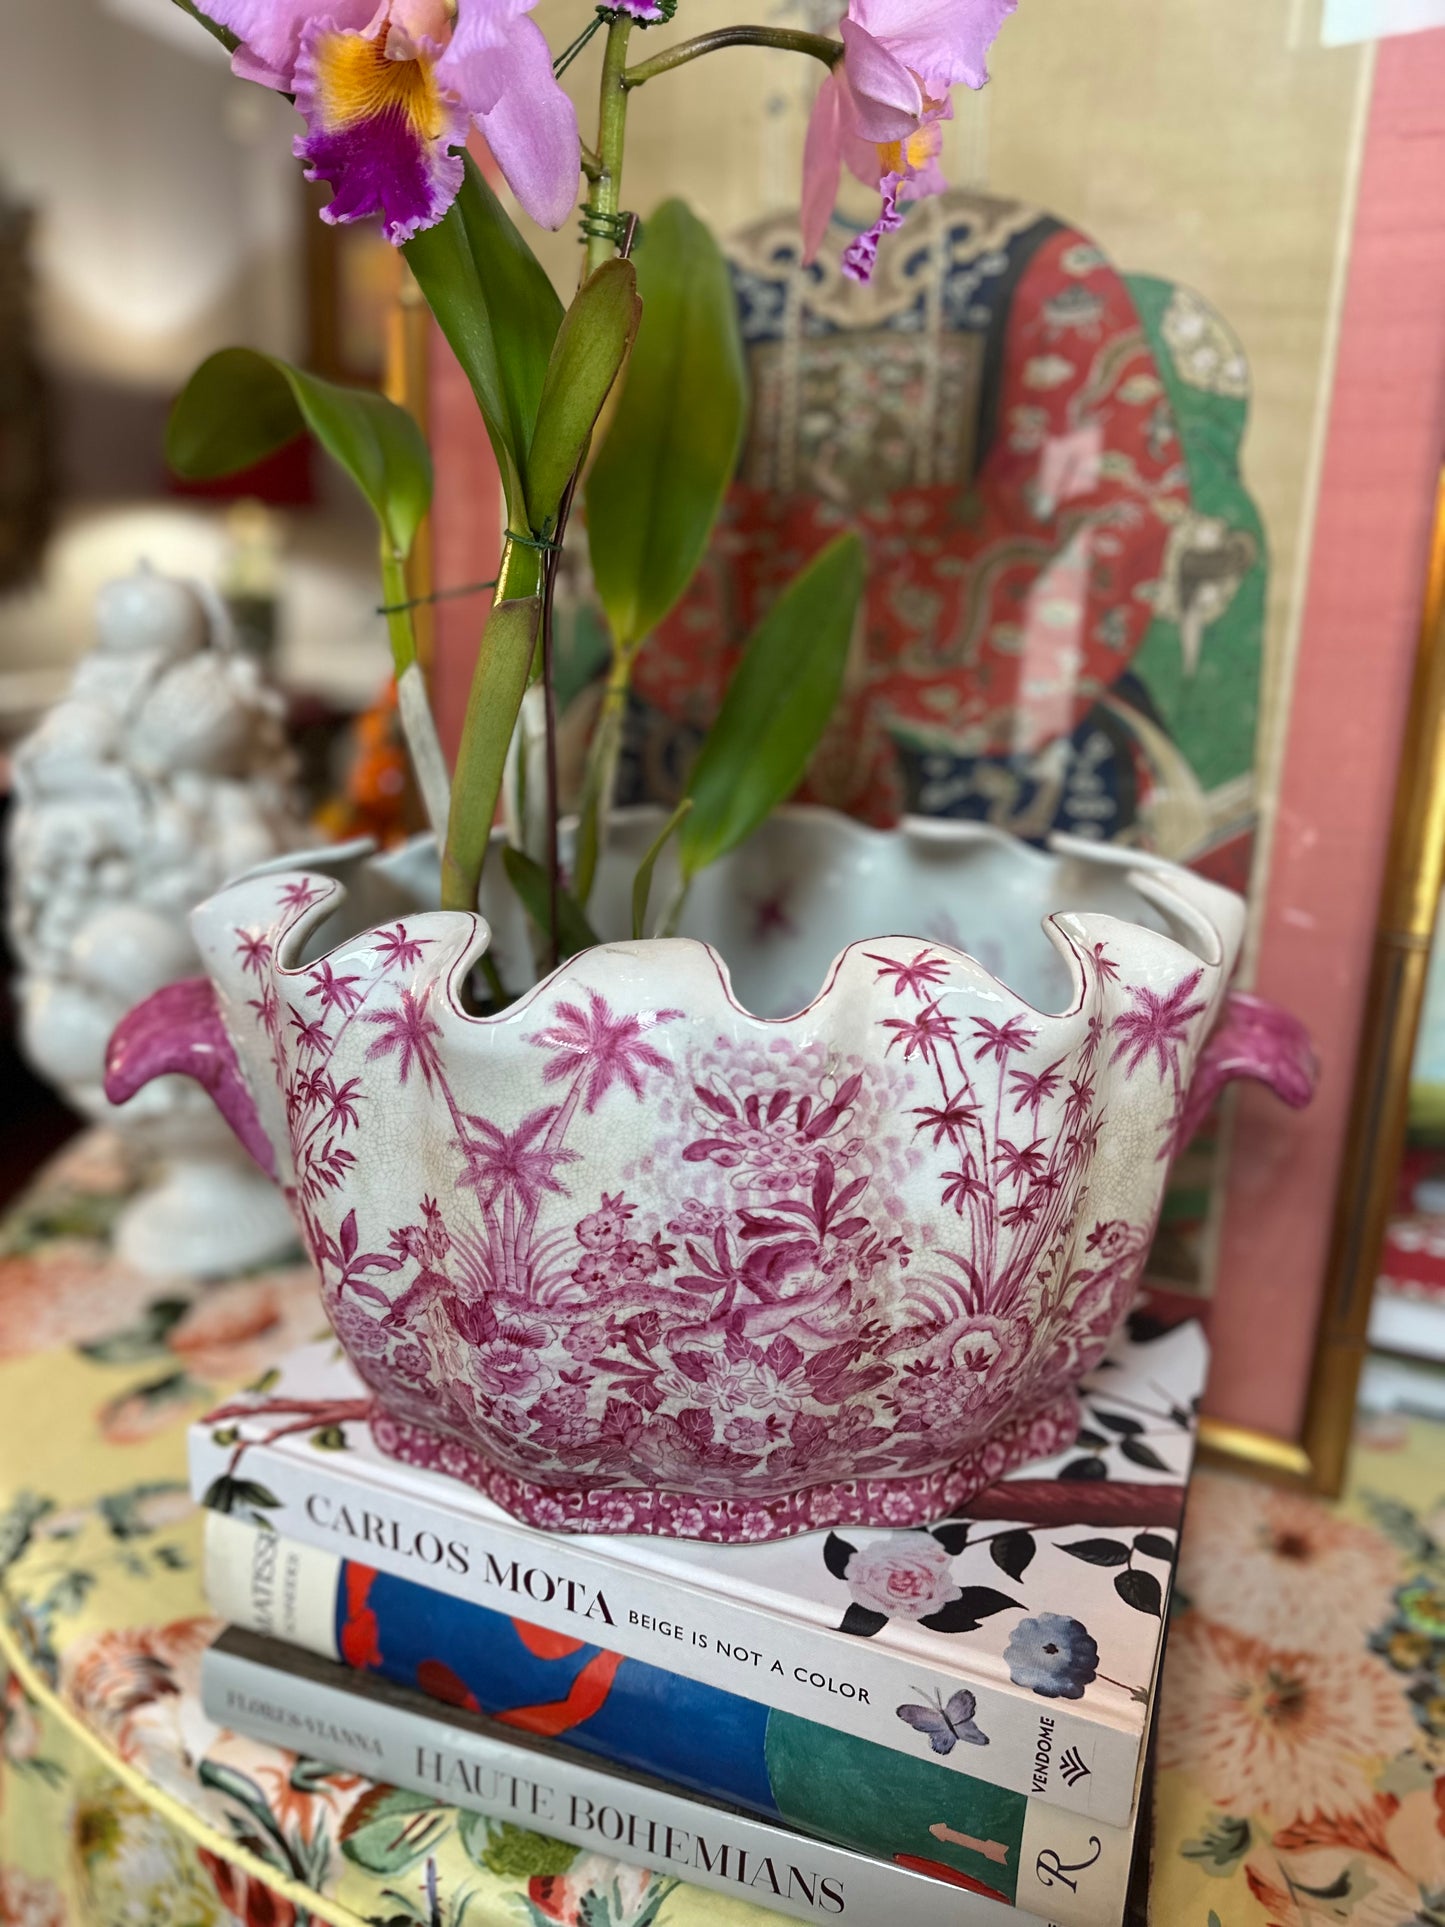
[437, 595]
[539, 542]
[599, 226]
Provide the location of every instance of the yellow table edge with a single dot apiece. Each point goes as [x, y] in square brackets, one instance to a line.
[162, 1802]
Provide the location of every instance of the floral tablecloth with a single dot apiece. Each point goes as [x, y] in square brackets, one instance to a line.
[1302, 1740]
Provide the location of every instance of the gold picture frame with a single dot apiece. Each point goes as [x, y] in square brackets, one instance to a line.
[1374, 1144]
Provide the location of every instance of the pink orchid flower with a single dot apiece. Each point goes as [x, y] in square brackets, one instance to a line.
[389, 90]
[880, 111]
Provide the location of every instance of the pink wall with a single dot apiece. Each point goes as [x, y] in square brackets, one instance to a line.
[467, 526]
[467, 519]
[1367, 577]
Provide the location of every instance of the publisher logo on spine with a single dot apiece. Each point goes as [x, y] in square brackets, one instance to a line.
[1072, 1767]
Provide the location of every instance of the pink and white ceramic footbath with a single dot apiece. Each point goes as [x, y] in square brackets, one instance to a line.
[661, 1248]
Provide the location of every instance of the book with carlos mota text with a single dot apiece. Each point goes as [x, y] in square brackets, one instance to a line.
[455, 1758]
[633, 1717]
[1045, 1602]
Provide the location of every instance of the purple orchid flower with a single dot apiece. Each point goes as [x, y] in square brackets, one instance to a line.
[881, 110]
[390, 89]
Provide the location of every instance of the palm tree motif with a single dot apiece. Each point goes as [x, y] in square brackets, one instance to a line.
[335, 993]
[267, 1008]
[301, 893]
[341, 1101]
[949, 1120]
[397, 950]
[1017, 1198]
[409, 1030]
[1158, 1026]
[498, 1161]
[1033, 1089]
[1020, 1163]
[597, 1049]
[917, 976]
[923, 1033]
[253, 947]
[311, 1033]
[960, 1186]
[1000, 1041]
[1080, 1100]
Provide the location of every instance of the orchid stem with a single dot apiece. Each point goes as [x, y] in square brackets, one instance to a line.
[549, 590]
[599, 218]
[606, 236]
[790, 39]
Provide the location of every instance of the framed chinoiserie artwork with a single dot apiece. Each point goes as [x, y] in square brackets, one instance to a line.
[1140, 424]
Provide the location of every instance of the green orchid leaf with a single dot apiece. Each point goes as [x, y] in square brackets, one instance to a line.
[498, 686]
[591, 346]
[642, 882]
[777, 706]
[529, 880]
[240, 406]
[657, 484]
[499, 312]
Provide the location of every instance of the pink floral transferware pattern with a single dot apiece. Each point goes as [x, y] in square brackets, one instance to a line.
[628, 1258]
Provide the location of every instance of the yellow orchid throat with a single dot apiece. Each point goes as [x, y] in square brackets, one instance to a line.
[356, 82]
[912, 155]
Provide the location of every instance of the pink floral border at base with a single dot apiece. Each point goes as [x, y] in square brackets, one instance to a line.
[873, 1502]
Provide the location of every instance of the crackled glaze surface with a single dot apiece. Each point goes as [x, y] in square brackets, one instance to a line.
[628, 1247]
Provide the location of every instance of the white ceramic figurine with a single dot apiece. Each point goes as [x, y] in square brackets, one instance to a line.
[163, 772]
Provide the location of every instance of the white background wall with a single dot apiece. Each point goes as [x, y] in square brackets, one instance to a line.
[166, 195]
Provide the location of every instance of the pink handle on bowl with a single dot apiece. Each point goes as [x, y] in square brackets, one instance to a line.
[178, 1031]
[1253, 1038]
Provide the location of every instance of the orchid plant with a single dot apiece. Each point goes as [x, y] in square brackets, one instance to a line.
[389, 92]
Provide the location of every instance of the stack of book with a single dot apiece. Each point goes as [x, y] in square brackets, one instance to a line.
[911, 1724]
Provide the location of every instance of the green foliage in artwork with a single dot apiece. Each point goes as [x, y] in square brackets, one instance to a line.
[144, 1339]
[390, 1829]
[1221, 1846]
[512, 1852]
[826, 1783]
[126, 1515]
[226, 1493]
[1210, 709]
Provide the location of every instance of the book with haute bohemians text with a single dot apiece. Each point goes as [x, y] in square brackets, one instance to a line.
[1045, 1602]
[452, 1757]
[699, 1739]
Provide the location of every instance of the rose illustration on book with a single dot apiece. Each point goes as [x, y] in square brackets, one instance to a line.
[1052, 1655]
[906, 1579]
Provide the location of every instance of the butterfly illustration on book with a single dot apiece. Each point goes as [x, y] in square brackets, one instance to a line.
[946, 1725]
